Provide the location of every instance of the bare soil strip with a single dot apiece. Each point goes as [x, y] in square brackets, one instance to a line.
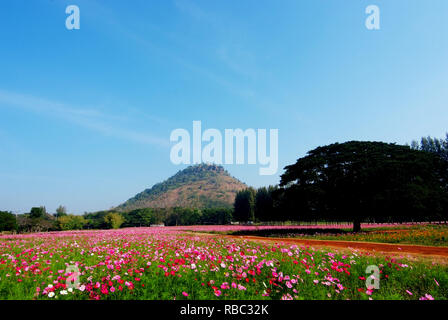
[439, 254]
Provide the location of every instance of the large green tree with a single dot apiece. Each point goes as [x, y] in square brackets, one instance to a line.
[113, 220]
[361, 181]
[7, 221]
[38, 212]
[71, 222]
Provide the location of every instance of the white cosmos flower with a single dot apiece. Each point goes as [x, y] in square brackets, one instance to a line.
[63, 292]
[51, 295]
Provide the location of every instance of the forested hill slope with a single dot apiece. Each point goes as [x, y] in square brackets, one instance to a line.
[198, 186]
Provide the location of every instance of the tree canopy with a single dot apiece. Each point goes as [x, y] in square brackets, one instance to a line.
[244, 206]
[7, 221]
[434, 145]
[366, 180]
[71, 222]
[38, 212]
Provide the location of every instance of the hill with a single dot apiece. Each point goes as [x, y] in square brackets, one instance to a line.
[198, 186]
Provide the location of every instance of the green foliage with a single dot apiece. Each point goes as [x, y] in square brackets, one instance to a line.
[37, 212]
[113, 220]
[37, 220]
[183, 216]
[216, 216]
[71, 222]
[95, 220]
[7, 221]
[264, 204]
[171, 216]
[60, 212]
[365, 180]
[434, 145]
[244, 206]
[139, 218]
[28, 223]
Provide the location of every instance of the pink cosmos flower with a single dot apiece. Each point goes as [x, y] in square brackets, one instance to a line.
[240, 287]
[185, 294]
[225, 285]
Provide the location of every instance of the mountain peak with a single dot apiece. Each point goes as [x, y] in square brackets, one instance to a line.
[203, 168]
[197, 186]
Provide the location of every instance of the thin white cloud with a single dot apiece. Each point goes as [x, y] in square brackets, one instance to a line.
[90, 118]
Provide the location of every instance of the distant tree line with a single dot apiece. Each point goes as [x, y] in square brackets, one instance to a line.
[38, 220]
[253, 205]
[167, 216]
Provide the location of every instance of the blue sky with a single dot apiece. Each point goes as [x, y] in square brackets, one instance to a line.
[86, 115]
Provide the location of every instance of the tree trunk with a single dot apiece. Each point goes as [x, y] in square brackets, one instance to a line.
[356, 226]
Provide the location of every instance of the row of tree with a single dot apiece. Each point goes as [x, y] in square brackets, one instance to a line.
[256, 205]
[356, 181]
[38, 219]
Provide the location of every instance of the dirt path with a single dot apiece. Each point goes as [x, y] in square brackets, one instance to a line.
[439, 254]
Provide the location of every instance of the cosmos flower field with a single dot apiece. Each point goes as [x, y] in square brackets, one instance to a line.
[168, 263]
